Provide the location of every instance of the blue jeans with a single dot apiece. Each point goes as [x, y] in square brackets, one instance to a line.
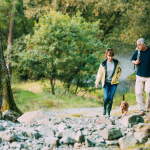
[109, 91]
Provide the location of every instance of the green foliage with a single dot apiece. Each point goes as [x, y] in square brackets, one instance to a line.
[123, 22]
[32, 96]
[64, 48]
[22, 24]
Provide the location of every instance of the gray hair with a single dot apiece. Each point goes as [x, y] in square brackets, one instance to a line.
[142, 41]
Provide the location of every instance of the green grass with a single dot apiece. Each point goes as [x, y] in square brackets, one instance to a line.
[35, 95]
[132, 77]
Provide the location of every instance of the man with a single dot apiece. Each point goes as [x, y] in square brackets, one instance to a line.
[142, 75]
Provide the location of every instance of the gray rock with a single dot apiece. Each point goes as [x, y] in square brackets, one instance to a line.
[126, 142]
[88, 143]
[78, 136]
[62, 126]
[111, 133]
[142, 137]
[51, 142]
[67, 140]
[68, 132]
[16, 145]
[104, 120]
[31, 133]
[2, 128]
[8, 124]
[46, 121]
[59, 135]
[46, 131]
[101, 127]
[100, 140]
[11, 115]
[77, 145]
[130, 120]
[108, 142]
[56, 121]
[8, 136]
[45, 148]
[141, 127]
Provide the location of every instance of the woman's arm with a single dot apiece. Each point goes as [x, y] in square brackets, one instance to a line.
[99, 76]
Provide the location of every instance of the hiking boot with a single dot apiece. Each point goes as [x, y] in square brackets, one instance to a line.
[142, 114]
[104, 110]
[109, 108]
[148, 109]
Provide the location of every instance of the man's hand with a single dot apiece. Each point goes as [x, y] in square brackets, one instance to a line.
[136, 62]
[96, 85]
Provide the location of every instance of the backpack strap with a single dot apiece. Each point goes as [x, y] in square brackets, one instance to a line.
[138, 55]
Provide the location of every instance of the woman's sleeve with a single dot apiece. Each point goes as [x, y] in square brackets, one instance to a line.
[99, 74]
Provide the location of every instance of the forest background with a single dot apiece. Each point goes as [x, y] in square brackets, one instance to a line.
[65, 40]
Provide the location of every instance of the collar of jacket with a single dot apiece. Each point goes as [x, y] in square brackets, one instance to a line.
[104, 64]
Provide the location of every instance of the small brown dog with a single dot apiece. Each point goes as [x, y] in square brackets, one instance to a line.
[124, 107]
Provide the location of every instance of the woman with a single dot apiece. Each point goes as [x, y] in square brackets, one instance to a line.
[109, 71]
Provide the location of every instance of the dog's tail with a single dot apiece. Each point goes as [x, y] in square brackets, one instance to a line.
[123, 97]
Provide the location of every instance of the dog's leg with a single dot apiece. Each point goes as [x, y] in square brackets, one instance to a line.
[125, 113]
[122, 113]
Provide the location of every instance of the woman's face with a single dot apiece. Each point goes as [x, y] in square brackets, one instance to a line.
[109, 57]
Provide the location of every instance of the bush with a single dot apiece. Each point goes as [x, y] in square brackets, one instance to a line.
[64, 48]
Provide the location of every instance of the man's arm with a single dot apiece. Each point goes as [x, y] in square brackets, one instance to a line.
[136, 62]
[134, 58]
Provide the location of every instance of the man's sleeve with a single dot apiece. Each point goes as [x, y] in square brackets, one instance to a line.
[134, 57]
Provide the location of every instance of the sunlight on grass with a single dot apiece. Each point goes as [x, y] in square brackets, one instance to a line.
[31, 96]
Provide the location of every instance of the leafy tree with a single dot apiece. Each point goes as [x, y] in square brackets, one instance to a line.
[123, 22]
[22, 25]
[64, 48]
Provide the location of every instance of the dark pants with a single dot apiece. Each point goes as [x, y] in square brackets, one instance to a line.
[109, 91]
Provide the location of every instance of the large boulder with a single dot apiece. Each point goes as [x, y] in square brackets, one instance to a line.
[141, 127]
[126, 142]
[32, 117]
[111, 133]
[142, 137]
[130, 120]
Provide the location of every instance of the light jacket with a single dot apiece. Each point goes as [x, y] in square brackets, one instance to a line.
[102, 72]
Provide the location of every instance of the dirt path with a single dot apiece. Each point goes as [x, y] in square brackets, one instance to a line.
[124, 86]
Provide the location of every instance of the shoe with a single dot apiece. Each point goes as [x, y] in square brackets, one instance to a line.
[148, 109]
[104, 110]
[142, 114]
[109, 107]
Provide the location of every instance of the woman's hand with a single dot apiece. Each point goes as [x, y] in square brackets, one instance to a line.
[96, 85]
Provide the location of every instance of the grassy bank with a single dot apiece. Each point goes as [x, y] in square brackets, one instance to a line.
[35, 95]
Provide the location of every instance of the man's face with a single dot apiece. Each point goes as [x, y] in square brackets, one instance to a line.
[140, 46]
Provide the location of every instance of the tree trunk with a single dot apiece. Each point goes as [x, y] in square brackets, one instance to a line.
[7, 100]
[10, 37]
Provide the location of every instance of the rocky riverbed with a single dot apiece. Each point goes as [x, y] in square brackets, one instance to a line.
[39, 131]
